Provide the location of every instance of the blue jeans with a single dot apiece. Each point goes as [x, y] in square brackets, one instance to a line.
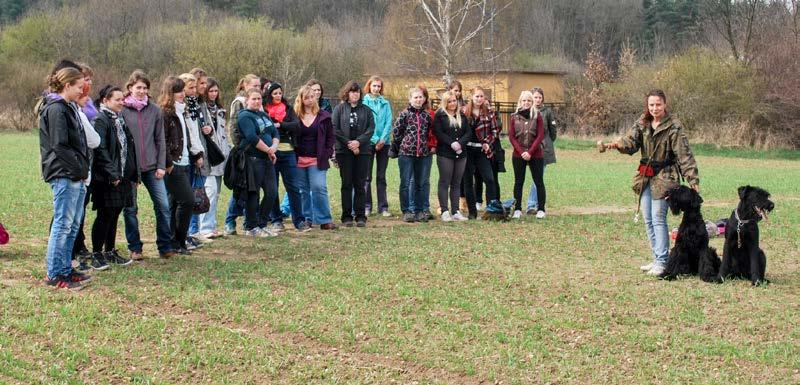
[67, 214]
[654, 212]
[286, 167]
[418, 168]
[235, 210]
[208, 221]
[426, 188]
[197, 180]
[158, 194]
[533, 202]
[313, 184]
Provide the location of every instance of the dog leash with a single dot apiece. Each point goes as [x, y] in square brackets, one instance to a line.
[740, 223]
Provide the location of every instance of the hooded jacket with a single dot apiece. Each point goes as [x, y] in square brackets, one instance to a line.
[62, 142]
[382, 114]
[666, 144]
[411, 131]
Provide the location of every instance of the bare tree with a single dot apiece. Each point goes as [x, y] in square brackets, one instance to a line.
[736, 22]
[453, 24]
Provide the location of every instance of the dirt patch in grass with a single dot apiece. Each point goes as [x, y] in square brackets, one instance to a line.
[310, 349]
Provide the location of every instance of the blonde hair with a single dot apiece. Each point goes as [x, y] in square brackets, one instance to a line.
[529, 95]
[240, 87]
[188, 78]
[299, 107]
[414, 90]
[455, 121]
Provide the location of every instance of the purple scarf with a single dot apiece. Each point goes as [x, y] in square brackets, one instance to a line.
[134, 103]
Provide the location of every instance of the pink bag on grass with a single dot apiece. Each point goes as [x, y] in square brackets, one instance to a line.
[3, 235]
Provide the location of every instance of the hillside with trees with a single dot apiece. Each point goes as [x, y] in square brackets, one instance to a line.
[729, 66]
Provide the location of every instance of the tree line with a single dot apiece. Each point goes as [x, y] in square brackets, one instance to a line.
[753, 41]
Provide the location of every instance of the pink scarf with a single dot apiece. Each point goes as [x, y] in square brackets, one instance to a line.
[134, 103]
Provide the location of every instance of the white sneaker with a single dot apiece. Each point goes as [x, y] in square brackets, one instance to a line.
[517, 214]
[540, 214]
[656, 270]
[269, 232]
[386, 214]
[203, 237]
[257, 233]
[458, 217]
[646, 267]
[446, 216]
[478, 206]
[367, 212]
[275, 227]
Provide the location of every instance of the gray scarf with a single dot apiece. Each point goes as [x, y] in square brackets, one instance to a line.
[119, 123]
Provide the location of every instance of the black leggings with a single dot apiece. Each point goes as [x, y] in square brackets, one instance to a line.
[476, 159]
[181, 202]
[537, 171]
[451, 171]
[104, 229]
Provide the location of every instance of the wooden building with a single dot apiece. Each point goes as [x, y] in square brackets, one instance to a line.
[506, 87]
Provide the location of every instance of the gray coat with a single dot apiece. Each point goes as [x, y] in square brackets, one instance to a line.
[551, 132]
[219, 136]
[147, 128]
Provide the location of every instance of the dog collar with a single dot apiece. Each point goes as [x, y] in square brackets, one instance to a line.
[740, 223]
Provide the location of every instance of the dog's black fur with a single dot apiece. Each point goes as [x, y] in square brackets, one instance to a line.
[746, 259]
[691, 254]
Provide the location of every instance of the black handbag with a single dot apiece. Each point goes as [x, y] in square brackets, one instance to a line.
[215, 155]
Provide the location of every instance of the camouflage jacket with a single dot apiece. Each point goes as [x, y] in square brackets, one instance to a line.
[666, 143]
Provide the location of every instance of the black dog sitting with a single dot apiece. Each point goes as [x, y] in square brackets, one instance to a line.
[742, 257]
[691, 254]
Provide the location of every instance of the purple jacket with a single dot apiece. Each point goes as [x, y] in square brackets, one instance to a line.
[325, 138]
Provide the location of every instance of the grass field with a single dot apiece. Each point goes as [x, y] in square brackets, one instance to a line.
[554, 301]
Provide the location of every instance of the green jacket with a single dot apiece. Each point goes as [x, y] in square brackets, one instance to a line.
[667, 141]
[550, 131]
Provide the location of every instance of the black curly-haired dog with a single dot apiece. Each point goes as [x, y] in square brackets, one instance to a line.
[742, 256]
[691, 253]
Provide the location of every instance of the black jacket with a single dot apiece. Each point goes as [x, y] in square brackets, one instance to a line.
[447, 134]
[289, 125]
[173, 135]
[107, 165]
[62, 142]
[365, 126]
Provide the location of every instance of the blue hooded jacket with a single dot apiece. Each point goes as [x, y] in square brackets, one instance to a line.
[382, 112]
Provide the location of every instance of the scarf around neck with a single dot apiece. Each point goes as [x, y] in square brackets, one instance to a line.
[136, 104]
[119, 124]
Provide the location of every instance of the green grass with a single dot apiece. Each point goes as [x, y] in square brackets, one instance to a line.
[558, 300]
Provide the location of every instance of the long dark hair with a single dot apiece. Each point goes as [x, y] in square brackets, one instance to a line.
[212, 82]
[646, 117]
[106, 93]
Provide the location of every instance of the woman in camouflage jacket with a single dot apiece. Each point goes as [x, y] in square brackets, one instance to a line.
[666, 157]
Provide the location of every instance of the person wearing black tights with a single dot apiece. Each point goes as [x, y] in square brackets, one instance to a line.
[115, 173]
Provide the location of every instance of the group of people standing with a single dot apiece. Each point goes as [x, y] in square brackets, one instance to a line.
[186, 140]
